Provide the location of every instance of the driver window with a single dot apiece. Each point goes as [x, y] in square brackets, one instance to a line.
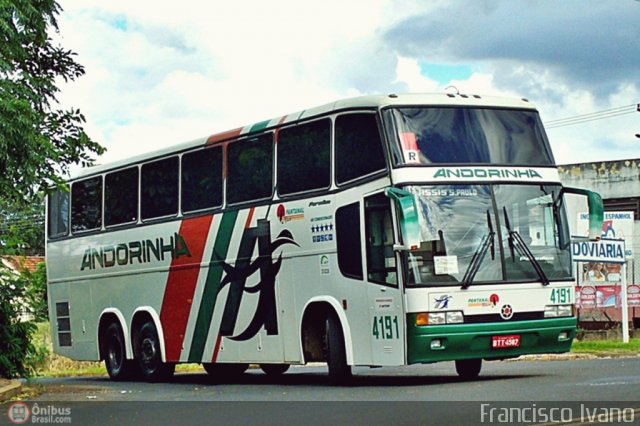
[381, 259]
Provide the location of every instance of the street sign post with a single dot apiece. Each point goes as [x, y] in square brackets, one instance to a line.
[606, 251]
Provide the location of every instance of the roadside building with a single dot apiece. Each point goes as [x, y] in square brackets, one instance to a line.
[618, 182]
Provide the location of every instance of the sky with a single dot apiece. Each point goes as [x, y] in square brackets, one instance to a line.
[164, 72]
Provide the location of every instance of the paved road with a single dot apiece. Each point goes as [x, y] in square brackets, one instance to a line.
[428, 394]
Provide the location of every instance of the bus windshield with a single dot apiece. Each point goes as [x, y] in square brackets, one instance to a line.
[512, 231]
[462, 135]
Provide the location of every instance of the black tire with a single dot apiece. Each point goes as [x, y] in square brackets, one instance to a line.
[222, 372]
[468, 369]
[274, 369]
[115, 354]
[149, 355]
[335, 352]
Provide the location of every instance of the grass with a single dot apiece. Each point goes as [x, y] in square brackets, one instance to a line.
[54, 365]
[607, 347]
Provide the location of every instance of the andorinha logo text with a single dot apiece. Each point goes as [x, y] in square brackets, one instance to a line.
[144, 251]
[486, 173]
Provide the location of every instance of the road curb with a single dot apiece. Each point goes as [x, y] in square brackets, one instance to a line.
[10, 390]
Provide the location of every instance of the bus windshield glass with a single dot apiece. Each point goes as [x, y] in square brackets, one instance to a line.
[462, 135]
[512, 232]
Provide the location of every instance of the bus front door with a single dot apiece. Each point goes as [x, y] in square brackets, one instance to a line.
[386, 319]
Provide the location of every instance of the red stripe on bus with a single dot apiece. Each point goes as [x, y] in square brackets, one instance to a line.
[219, 137]
[277, 132]
[181, 285]
[247, 224]
[216, 351]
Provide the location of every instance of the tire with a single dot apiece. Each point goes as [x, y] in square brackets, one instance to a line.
[274, 369]
[222, 372]
[115, 354]
[335, 352]
[468, 369]
[149, 355]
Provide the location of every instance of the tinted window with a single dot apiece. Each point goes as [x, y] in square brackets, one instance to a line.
[121, 197]
[159, 188]
[58, 213]
[437, 135]
[86, 204]
[250, 169]
[202, 179]
[358, 147]
[348, 240]
[303, 157]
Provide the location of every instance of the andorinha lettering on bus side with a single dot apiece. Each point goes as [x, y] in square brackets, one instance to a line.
[144, 251]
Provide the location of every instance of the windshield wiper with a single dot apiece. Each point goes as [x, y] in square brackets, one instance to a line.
[488, 241]
[517, 243]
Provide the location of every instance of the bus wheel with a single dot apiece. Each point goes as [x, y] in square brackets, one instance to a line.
[115, 354]
[224, 371]
[147, 352]
[274, 369]
[335, 352]
[468, 368]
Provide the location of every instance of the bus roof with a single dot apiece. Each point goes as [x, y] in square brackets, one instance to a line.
[362, 102]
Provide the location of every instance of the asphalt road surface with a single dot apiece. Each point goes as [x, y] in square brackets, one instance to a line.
[511, 392]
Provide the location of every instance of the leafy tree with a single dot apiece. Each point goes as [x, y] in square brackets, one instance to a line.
[22, 227]
[39, 141]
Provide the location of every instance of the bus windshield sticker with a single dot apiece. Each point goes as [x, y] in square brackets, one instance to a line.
[446, 265]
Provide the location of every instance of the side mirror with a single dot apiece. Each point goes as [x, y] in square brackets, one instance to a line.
[596, 210]
[409, 222]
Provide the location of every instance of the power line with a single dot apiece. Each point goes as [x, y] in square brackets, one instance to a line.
[593, 116]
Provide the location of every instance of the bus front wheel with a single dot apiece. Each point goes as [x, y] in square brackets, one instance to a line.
[115, 354]
[335, 352]
[468, 369]
[149, 356]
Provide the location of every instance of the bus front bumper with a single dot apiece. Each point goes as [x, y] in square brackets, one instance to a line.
[427, 344]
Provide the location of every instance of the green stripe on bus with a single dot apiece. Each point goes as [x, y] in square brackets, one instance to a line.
[212, 285]
[259, 126]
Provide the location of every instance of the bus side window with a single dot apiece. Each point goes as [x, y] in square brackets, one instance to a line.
[58, 213]
[121, 197]
[202, 179]
[304, 162]
[250, 169]
[381, 259]
[86, 204]
[159, 188]
[358, 147]
[348, 240]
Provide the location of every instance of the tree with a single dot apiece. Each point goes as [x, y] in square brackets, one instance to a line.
[39, 141]
[22, 227]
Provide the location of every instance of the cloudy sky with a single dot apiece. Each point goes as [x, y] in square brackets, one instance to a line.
[162, 72]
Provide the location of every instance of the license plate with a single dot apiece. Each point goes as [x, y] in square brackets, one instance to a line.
[509, 341]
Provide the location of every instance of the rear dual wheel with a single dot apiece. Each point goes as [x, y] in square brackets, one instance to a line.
[115, 355]
[149, 354]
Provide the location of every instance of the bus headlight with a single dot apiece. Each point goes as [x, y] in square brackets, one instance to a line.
[556, 311]
[455, 317]
[439, 318]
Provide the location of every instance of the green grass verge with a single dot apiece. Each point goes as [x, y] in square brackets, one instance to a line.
[607, 347]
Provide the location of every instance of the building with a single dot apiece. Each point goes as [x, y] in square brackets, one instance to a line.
[618, 182]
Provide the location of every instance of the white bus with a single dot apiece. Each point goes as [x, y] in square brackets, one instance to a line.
[376, 231]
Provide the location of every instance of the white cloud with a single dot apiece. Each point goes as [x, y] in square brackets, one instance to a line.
[159, 73]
